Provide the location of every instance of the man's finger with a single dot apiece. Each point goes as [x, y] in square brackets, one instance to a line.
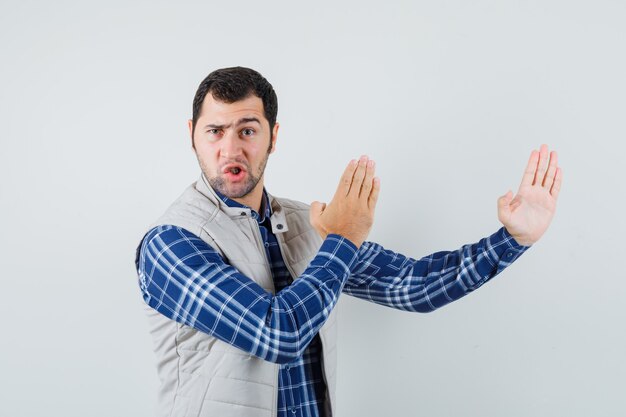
[315, 213]
[373, 197]
[367, 181]
[505, 200]
[531, 168]
[549, 179]
[346, 179]
[357, 179]
[556, 187]
[542, 166]
[504, 211]
[316, 210]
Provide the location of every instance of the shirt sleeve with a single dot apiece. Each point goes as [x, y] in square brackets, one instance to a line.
[423, 285]
[186, 280]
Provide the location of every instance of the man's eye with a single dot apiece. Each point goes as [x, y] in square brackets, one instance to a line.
[247, 132]
[213, 131]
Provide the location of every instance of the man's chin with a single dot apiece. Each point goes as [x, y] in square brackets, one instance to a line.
[234, 190]
[236, 193]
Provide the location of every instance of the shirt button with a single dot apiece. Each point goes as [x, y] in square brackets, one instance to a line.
[287, 367]
[279, 226]
[243, 213]
[267, 244]
[509, 255]
[293, 410]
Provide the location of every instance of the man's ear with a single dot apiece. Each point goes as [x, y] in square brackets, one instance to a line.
[274, 136]
[190, 125]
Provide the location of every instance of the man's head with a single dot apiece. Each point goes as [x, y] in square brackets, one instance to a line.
[233, 131]
[229, 85]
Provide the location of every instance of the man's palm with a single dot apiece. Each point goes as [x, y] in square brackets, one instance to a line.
[528, 215]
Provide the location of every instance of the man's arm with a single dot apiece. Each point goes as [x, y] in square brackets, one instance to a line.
[186, 280]
[395, 280]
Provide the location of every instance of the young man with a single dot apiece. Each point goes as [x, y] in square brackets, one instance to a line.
[240, 288]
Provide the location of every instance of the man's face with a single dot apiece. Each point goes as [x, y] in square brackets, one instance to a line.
[232, 143]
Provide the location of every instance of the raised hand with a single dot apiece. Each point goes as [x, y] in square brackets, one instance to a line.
[351, 211]
[527, 215]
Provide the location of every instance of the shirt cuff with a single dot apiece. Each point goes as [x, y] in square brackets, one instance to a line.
[340, 248]
[503, 248]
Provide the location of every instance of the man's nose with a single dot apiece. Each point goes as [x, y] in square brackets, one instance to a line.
[231, 145]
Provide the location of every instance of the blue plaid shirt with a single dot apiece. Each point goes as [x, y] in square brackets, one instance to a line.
[175, 267]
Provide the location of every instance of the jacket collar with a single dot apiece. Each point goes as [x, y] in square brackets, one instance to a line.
[277, 217]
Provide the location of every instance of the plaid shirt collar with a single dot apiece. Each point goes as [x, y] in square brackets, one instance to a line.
[266, 207]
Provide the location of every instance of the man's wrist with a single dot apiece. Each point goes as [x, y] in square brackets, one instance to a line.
[357, 242]
[519, 239]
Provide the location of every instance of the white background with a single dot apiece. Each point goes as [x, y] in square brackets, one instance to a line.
[449, 97]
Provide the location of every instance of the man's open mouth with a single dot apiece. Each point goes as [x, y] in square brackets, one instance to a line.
[232, 169]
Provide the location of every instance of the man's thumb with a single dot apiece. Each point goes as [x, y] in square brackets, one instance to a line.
[316, 209]
[505, 200]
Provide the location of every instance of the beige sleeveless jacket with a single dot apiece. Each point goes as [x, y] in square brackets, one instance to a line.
[201, 375]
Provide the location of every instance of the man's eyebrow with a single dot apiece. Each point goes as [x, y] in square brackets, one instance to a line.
[241, 121]
[214, 126]
[247, 120]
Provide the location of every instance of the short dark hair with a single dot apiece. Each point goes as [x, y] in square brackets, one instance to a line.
[233, 84]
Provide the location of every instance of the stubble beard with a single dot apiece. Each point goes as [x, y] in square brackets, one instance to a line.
[219, 184]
